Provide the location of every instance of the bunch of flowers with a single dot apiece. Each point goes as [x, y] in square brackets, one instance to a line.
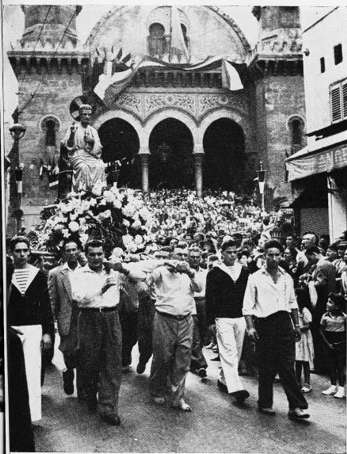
[119, 217]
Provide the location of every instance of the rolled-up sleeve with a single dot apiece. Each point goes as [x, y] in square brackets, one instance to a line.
[249, 299]
[292, 298]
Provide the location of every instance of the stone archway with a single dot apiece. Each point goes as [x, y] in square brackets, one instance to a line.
[120, 142]
[224, 155]
[171, 159]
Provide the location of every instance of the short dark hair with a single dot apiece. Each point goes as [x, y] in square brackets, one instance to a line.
[273, 244]
[337, 299]
[332, 247]
[309, 232]
[93, 243]
[312, 250]
[18, 239]
[228, 243]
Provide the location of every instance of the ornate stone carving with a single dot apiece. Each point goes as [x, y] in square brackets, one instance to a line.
[158, 101]
[208, 102]
[131, 102]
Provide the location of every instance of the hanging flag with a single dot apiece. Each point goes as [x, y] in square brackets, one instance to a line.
[230, 77]
[177, 45]
[113, 84]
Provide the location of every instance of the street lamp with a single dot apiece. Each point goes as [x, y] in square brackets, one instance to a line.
[17, 132]
[261, 183]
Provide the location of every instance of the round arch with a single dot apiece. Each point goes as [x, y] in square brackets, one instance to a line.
[224, 154]
[122, 115]
[176, 114]
[218, 114]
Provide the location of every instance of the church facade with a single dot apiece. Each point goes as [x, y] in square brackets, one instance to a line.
[169, 126]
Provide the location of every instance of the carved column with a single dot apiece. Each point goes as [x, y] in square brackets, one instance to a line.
[198, 160]
[144, 156]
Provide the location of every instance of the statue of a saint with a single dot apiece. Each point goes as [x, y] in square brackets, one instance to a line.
[84, 149]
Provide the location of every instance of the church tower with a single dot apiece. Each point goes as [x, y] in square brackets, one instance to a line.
[277, 71]
[47, 62]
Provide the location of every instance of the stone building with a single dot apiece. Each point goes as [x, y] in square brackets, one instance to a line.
[171, 127]
[318, 172]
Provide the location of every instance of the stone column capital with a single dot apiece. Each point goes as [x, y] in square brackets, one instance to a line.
[144, 151]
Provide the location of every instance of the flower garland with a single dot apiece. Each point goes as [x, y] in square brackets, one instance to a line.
[119, 217]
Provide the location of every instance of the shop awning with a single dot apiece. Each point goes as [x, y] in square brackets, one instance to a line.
[308, 162]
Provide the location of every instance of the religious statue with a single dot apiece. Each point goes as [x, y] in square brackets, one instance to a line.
[84, 148]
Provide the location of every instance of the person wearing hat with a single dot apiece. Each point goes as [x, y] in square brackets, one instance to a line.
[84, 148]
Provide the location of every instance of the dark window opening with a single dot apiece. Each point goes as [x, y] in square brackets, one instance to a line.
[338, 54]
[322, 65]
[157, 45]
[184, 32]
[50, 133]
[296, 128]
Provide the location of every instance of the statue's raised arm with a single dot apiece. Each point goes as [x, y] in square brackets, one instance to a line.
[84, 148]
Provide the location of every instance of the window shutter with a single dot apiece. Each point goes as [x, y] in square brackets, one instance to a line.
[344, 99]
[336, 104]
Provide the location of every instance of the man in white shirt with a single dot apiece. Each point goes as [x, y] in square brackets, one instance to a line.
[270, 299]
[174, 287]
[96, 291]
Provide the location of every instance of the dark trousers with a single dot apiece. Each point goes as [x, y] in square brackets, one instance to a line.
[145, 328]
[128, 321]
[100, 358]
[198, 360]
[202, 319]
[172, 345]
[276, 354]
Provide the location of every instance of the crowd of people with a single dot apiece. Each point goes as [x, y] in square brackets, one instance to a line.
[210, 276]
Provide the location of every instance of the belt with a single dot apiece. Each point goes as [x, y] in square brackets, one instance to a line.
[176, 317]
[98, 309]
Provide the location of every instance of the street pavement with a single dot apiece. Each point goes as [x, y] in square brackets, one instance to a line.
[216, 424]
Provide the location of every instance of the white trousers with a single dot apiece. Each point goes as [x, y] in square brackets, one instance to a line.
[230, 333]
[31, 336]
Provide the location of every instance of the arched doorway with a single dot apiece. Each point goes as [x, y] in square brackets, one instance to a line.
[171, 159]
[121, 143]
[224, 146]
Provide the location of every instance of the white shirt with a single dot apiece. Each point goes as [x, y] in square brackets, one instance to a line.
[86, 286]
[200, 278]
[233, 271]
[264, 297]
[174, 292]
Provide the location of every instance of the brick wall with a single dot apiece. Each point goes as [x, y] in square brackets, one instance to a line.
[277, 99]
[55, 93]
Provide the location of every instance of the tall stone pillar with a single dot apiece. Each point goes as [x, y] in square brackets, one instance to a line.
[144, 157]
[198, 160]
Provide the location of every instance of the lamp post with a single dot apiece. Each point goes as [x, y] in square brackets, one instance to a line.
[17, 132]
[261, 183]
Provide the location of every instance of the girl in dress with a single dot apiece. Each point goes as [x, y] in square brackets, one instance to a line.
[304, 351]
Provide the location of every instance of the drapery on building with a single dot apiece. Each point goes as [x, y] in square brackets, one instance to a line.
[318, 172]
[171, 127]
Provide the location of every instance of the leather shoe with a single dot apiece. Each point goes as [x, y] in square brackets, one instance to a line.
[140, 368]
[267, 411]
[222, 387]
[241, 395]
[113, 420]
[297, 414]
[68, 377]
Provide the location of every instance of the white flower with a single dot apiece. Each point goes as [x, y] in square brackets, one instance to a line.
[84, 238]
[97, 189]
[117, 203]
[138, 239]
[109, 197]
[66, 233]
[73, 217]
[74, 226]
[127, 240]
[92, 203]
[126, 223]
[136, 225]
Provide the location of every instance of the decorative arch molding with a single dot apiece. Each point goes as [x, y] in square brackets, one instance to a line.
[50, 117]
[165, 114]
[121, 114]
[291, 118]
[217, 114]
